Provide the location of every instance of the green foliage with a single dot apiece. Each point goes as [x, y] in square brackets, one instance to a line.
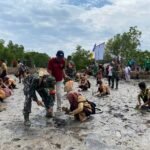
[39, 59]
[81, 58]
[14, 52]
[124, 45]
[142, 57]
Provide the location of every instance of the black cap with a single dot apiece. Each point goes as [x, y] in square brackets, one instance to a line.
[60, 54]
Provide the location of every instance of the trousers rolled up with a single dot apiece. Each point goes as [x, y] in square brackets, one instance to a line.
[59, 93]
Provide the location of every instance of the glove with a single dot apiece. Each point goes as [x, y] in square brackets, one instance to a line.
[52, 92]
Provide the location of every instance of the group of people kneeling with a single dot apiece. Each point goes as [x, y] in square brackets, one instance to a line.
[6, 86]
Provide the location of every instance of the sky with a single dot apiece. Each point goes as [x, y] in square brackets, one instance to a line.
[50, 25]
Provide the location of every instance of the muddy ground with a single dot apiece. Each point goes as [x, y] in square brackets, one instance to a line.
[118, 127]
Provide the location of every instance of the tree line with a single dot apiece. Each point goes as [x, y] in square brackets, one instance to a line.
[125, 45]
[12, 52]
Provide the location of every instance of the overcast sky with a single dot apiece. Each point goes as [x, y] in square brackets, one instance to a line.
[49, 25]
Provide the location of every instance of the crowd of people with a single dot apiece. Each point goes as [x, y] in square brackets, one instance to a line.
[50, 85]
[8, 84]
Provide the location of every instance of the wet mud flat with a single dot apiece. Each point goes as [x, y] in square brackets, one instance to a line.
[118, 127]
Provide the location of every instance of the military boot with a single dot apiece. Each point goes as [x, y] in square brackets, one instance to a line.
[26, 120]
[49, 113]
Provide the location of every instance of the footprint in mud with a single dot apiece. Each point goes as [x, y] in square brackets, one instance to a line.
[126, 110]
[118, 115]
[27, 148]
[16, 139]
[148, 122]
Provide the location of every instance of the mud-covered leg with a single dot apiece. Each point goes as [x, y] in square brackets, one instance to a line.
[49, 101]
[27, 110]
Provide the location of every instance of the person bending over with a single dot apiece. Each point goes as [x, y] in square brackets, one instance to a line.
[41, 84]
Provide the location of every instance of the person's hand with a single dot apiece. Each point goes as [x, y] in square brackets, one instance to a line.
[138, 106]
[98, 94]
[66, 110]
[71, 113]
[40, 103]
[66, 77]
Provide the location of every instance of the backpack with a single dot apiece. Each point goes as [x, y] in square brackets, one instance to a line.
[93, 106]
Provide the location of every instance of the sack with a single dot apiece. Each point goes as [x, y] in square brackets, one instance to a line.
[93, 106]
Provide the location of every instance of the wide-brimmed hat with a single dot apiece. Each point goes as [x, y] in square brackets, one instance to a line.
[42, 72]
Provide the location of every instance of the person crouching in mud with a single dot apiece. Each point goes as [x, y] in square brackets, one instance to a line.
[38, 83]
[84, 83]
[79, 106]
[144, 95]
[103, 89]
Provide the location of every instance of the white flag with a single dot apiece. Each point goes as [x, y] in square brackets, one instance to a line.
[99, 51]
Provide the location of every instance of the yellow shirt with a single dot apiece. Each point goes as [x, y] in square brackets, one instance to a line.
[4, 67]
[81, 103]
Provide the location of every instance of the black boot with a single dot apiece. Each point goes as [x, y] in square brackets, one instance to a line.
[49, 113]
[26, 120]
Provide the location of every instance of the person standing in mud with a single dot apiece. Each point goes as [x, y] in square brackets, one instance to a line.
[99, 76]
[21, 70]
[56, 68]
[127, 72]
[41, 84]
[115, 75]
[110, 68]
[70, 68]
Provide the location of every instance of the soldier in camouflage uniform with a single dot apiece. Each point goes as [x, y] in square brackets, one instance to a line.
[41, 84]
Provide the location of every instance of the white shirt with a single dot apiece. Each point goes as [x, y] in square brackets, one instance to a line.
[110, 71]
[127, 70]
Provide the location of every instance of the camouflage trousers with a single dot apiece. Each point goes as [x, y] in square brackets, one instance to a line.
[48, 101]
